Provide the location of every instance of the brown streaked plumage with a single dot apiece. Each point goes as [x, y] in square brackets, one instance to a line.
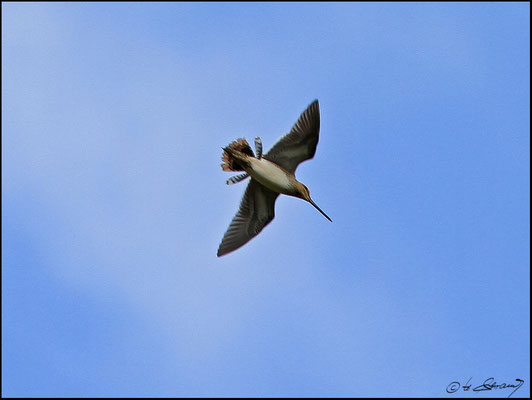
[271, 175]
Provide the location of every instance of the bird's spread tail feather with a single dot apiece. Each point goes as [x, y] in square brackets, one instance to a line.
[234, 155]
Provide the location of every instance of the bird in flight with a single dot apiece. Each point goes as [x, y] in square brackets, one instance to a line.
[271, 174]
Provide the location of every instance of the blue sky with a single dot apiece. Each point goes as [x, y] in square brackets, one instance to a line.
[114, 202]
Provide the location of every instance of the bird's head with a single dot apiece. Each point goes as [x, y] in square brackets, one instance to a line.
[303, 193]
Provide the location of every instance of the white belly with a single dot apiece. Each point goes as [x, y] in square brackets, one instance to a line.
[270, 175]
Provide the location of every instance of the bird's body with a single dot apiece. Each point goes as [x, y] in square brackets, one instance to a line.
[271, 175]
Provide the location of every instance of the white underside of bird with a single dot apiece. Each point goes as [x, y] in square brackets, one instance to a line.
[270, 175]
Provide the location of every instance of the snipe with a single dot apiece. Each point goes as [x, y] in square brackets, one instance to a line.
[271, 174]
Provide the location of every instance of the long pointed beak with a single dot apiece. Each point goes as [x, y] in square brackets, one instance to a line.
[319, 209]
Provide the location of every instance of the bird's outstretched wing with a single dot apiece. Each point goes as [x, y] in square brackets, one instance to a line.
[255, 212]
[300, 143]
